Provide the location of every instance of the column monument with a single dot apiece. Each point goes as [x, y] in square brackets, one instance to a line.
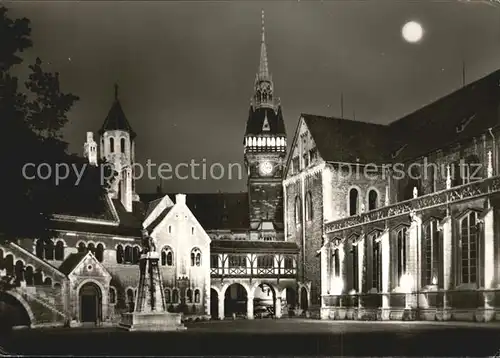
[150, 312]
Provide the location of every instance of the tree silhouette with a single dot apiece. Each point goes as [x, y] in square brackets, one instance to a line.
[30, 124]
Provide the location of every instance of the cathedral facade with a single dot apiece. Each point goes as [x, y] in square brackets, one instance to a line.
[400, 221]
[222, 254]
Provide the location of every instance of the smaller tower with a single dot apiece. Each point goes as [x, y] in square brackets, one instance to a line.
[118, 147]
[90, 149]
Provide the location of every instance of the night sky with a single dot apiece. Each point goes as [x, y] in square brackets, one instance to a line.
[186, 69]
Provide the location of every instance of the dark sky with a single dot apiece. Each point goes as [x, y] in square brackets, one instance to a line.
[186, 69]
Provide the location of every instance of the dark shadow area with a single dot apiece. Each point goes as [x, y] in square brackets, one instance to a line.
[442, 342]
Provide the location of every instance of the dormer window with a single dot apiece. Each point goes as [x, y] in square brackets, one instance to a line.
[464, 123]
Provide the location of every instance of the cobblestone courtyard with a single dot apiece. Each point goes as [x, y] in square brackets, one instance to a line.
[268, 337]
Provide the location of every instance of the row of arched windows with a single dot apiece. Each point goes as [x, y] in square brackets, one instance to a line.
[22, 272]
[112, 145]
[308, 208]
[97, 251]
[354, 203]
[167, 257]
[467, 243]
[172, 295]
[128, 255]
[48, 251]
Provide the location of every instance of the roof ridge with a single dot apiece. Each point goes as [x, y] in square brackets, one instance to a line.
[342, 119]
[445, 97]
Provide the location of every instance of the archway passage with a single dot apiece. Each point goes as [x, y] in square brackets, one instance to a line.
[90, 303]
[291, 297]
[264, 302]
[235, 301]
[214, 304]
[304, 304]
[12, 312]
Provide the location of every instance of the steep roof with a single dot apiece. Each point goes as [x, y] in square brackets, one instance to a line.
[116, 119]
[469, 111]
[221, 211]
[71, 262]
[257, 118]
[343, 140]
[463, 114]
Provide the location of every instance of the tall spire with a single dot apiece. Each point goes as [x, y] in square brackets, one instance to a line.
[263, 65]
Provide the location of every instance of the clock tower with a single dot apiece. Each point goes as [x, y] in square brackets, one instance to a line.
[265, 152]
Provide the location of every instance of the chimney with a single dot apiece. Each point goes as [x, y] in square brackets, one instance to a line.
[180, 198]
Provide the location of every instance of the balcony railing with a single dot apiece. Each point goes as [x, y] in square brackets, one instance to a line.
[253, 272]
[456, 194]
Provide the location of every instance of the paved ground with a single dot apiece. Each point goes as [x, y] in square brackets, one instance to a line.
[286, 337]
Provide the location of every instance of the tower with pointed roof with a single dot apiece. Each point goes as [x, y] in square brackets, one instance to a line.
[117, 147]
[265, 150]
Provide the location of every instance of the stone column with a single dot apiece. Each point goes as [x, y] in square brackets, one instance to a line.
[325, 277]
[361, 269]
[221, 305]
[447, 265]
[413, 258]
[489, 264]
[386, 259]
[285, 212]
[250, 298]
[278, 304]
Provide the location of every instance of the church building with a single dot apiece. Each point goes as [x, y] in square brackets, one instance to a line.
[400, 221]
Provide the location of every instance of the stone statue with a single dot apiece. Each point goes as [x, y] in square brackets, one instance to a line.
[148, 242]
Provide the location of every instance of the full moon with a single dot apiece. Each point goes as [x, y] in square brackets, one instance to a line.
[412, 32]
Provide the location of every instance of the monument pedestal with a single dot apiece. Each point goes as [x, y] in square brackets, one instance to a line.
[150, 313]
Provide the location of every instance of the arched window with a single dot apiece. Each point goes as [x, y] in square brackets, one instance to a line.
[122, 145]
[136, 255]
[189, 295]
[111, 145]
[355, 268]
[195, 257]
[167, 295]
[49, 250]
[82, 247]
[309, 207]
[298, 211]
[372, 199]
[47, 281]
[376, 263]
[353, 201]
[167, 257]
[128, 254]
[39, 248]
[91, 248]
[196, 296]
[29, 276]
[59, 251]
[119, 254]
[401, 252]
[99, 252]
[431, 253]
[112, 295]
[469, 250]
[336, 262]
[175, 296]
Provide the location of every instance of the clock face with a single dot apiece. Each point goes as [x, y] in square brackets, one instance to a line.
[265, 168]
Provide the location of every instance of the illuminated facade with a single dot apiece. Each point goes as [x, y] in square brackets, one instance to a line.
[415, 234]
